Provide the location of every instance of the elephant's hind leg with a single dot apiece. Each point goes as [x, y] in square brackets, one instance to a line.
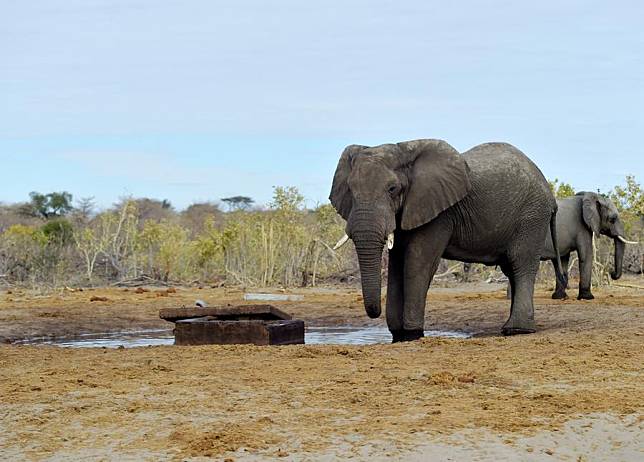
[522, 273]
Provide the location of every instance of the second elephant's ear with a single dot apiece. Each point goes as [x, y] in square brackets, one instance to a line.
[590, 211]
[438, 179]
[340, 196]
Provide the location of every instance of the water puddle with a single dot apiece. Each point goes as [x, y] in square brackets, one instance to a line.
[363, 335]
[339, 335]
[132, 339]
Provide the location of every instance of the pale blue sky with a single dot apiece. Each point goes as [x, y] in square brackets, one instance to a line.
[197, 100]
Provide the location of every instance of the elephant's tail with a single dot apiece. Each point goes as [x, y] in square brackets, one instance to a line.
[561, 276]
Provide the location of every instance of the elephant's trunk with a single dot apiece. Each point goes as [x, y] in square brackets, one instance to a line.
[619, 259]
[370, 259]
[369, 235]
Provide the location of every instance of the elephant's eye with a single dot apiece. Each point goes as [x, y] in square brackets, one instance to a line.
[393, 189]
[612, 219]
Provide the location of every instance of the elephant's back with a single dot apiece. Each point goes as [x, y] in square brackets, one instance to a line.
[497, 166]
[509, 205]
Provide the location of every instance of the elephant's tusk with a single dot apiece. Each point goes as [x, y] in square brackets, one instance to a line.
[341, 242]
[390, 241]
[625, 241]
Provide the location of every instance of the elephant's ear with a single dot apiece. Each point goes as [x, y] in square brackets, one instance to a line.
[340, 196]
[590, 211]
[438, 179]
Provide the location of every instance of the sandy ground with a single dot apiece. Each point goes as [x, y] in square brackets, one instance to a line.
[573, 391]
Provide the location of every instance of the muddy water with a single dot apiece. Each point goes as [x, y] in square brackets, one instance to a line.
[314, 336]
[363, 335]
[132, 339]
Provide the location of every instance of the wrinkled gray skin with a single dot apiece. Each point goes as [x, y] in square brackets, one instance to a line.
[490, 205]
[578, 217]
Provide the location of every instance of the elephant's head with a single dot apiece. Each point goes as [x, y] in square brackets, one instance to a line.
[602, 217]
[405, 185]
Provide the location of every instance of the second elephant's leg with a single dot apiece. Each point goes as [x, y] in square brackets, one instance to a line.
[560, 291]
[585, 253]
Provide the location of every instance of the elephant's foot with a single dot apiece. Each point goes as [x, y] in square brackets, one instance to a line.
[507, 331]
[559, 295]
[404, 335]
[585, 295]
[513, 327]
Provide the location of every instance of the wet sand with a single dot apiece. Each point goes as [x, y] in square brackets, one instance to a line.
[573, 391]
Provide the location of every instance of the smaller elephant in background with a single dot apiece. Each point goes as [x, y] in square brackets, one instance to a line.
[578, 217]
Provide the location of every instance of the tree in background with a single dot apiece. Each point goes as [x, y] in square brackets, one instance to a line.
[92, 242]
[149, 209]
[561, 190]
[197, 215]
[84, 209]
[22, 248]
[121, 226]
[166, 250]
[55, 204]
[59, 232]
[235, 203]
[287, 242]
[629, 198]
[13, 214]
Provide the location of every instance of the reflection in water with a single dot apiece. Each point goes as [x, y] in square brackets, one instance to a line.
[363, 335]
[151, 337]
[338, 335]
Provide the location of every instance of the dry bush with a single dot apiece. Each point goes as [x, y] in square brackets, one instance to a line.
[284, 244]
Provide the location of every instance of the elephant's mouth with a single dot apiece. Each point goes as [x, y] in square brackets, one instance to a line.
[344, 239]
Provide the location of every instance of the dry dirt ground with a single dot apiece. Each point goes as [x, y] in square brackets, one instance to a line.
[573, 391]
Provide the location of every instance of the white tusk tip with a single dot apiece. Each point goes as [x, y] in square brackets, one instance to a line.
[341, 242]
[627, 241]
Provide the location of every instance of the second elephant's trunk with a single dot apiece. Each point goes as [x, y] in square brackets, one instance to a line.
[619, 259]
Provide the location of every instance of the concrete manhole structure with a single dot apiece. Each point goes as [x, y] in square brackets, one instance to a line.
[229, 325]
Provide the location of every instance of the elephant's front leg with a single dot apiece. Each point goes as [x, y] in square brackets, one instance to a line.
[395, 292]
[422, 256]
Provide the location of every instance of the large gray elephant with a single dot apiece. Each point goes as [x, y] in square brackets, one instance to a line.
[422, 198]
[577, 219]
